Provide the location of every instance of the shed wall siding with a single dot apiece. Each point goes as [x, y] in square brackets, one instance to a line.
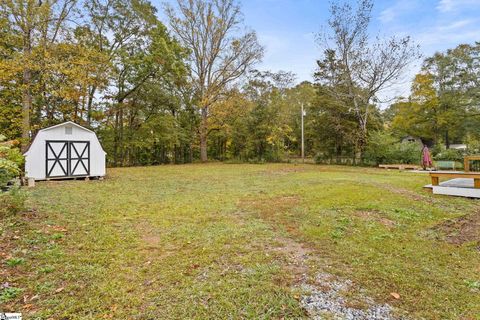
[35, 157]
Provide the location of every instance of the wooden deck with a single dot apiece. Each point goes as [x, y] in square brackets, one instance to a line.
[399, 166]
[458, 187]
[436, 175]
[460, 184]
[467, 160]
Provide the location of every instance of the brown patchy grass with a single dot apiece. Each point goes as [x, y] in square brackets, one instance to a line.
[462, 230]
[376, 216]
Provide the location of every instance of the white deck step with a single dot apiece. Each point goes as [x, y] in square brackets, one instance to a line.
[460, 187]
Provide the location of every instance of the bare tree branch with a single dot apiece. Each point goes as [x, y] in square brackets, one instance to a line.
[220, 54]
[356, 69]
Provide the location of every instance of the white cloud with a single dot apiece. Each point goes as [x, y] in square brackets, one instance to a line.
[387, 15]
[456, 25]
[273, 44]
[454, 5]
[450, 23]
[400, 7]
[440, 38]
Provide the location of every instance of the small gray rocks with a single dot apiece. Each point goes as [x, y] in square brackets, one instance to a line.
[326, 301]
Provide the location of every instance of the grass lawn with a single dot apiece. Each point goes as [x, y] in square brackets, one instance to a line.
[220, 241]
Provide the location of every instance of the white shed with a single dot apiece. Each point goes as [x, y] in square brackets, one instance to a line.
[66, 150]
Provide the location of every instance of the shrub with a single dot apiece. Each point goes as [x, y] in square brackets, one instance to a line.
[379, 148]
[12, 202]
[10, 162]
[12, 199]
[407, 152]
[450, 155]
[384, 148]
[319, 158]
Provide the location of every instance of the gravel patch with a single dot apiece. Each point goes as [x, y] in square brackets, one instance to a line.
[325, 301]
[324, 298]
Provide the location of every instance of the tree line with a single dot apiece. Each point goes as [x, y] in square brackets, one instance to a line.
[443, 107]
[186, 88]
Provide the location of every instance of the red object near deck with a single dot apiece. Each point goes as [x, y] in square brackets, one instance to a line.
[426, 158]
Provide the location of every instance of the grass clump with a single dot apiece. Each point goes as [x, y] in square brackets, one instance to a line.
[12, 262]
[9, 293]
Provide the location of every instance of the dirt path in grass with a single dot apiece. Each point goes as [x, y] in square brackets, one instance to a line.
[405, 192]
[323, 295]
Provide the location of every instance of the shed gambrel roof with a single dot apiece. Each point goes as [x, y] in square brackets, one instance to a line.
[66, 123]
[61, 125]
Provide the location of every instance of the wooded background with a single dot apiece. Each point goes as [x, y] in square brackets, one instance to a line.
[186, 89]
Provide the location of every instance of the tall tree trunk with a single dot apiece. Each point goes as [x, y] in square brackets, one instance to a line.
[338, 151]
[26, 94]
[26, 107]
[225, 150]
[203, 135]
[362, 146]
[91, 94]
[447, 140]
[175, 154]
[115, 139]
[120, 137]
[362, 142]
[75, 113]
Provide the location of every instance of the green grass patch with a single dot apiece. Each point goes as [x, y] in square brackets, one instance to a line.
[199, 241]
[9, 293]
[12, 262]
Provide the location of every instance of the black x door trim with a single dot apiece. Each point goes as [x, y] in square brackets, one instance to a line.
[56, 158]
[68, 152]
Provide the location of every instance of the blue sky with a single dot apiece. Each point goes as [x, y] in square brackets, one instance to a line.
[287, 29]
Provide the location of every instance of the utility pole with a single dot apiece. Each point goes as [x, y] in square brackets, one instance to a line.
[303, 139]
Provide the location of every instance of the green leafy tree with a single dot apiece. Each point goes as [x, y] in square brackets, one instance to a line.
[304, 94]
[267, 125]
[145, 69]
[332, 127]
[11, 160]
[420, 116]
[443, 106]
[384, 148]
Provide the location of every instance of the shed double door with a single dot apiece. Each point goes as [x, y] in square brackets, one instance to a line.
[67, 159]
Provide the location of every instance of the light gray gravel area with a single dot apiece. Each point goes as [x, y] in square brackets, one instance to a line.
[324, 297]
[324, 300]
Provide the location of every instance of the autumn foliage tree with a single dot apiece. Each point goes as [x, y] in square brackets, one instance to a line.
[160, 93]
[221, 52]
[38, 26]
[444, 103]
